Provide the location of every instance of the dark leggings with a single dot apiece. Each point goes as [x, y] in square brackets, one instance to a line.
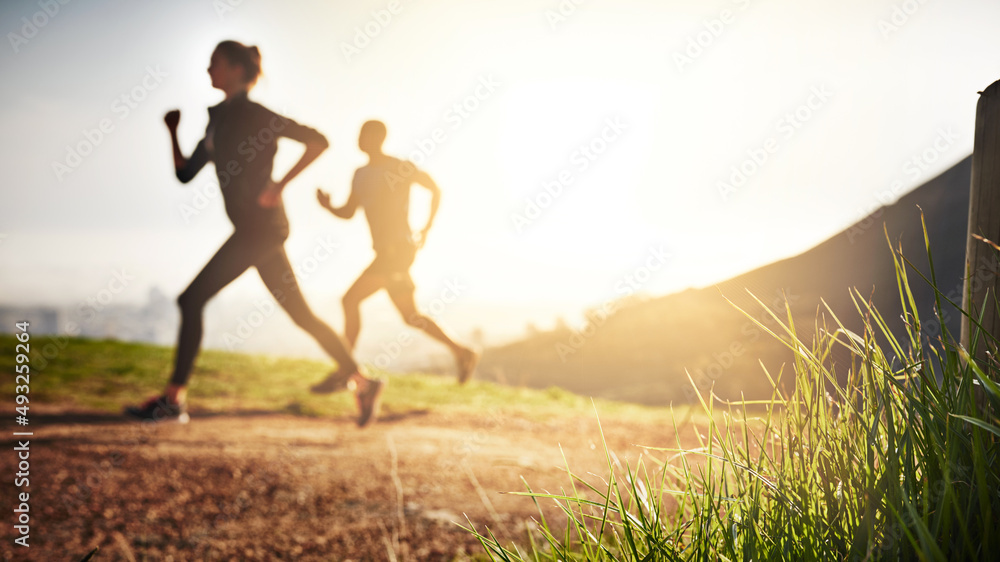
[239, 253]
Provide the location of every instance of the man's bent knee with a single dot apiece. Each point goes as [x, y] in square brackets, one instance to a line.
[417, 320]
[349, 301]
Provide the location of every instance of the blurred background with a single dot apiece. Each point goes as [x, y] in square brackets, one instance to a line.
[610, 171]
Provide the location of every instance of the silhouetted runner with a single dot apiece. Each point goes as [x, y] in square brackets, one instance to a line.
[241, 140]
[383, 188]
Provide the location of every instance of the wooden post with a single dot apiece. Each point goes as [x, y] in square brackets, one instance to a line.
[982, 277]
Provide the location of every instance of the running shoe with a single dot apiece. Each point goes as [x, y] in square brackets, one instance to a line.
[159, 409]
[467, 360]
[369, 399]
[335, 382]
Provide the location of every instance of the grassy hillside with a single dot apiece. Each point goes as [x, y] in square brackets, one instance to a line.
[644, 350]
[104, 375]
[898, 462]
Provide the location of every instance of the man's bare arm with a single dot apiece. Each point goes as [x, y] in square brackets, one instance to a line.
[345, 212]
[423, 179]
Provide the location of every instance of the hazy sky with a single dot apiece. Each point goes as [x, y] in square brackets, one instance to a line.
[641, 109]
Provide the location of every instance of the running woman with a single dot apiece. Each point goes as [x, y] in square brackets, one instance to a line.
[241, 140]
[383, 188]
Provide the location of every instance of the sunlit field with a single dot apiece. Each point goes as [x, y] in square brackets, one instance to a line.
[530, 280]
[900, 463]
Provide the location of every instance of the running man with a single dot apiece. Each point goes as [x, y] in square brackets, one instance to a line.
[383, 188]
[253, 203]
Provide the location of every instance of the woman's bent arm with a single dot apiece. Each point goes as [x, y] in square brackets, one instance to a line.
[185, 168]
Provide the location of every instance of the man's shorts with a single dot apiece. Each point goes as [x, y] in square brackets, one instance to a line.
[394, 263]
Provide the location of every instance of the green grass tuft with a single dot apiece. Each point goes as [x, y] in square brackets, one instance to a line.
[900, 463]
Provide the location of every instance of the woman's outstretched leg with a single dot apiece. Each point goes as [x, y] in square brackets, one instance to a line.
[234, 257]
[277, 274]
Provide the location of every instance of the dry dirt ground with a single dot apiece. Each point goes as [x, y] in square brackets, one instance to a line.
[266, 486]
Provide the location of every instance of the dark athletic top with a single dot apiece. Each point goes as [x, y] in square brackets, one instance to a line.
[241, 139]
[383, 189]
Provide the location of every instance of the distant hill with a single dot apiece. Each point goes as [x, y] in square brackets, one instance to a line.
[641, 352]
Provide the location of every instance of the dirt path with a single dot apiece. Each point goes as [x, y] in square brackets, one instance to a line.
[263, 486]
